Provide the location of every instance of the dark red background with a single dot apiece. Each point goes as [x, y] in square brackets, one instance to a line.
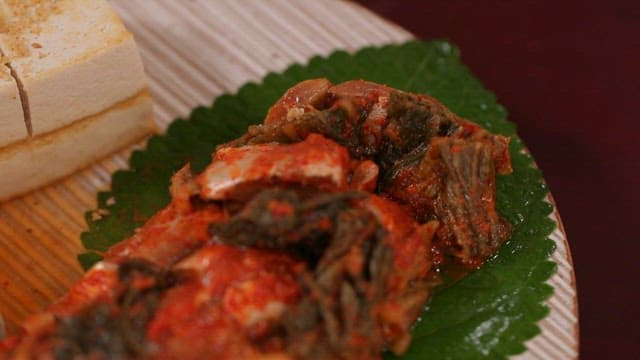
[569, 74]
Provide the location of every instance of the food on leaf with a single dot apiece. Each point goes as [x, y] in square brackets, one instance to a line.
[318, 234]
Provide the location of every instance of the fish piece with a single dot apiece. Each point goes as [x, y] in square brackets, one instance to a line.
[227, 307]
[315, 161]
[174, 231]
[304, 95]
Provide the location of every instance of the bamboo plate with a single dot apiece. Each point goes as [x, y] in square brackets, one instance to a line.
[194, 51]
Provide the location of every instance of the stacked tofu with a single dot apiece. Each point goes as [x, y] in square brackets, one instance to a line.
[72, 89]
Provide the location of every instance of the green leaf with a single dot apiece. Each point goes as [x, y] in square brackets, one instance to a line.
[488, 314]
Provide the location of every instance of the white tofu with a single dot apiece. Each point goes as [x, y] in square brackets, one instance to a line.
[43, 159]
[78, 77]
[74, 58]
[12, 126]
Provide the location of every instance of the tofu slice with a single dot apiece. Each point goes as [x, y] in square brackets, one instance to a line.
[12, 126]
[43, 159]
[74, 58]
